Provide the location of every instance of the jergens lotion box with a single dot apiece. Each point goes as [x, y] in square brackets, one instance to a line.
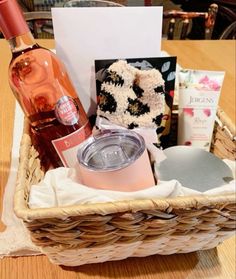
[199, 93]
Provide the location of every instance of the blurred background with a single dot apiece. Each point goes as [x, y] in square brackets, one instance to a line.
[225, 18]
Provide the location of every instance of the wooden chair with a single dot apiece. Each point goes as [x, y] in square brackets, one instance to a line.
[40, 23]
[26, 5]
[226, 17]
[184, 20]
[230, 32]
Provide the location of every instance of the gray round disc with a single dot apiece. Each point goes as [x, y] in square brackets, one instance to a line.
[194, 168]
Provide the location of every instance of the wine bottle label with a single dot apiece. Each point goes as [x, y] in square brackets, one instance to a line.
[67, 147]
[66, 111]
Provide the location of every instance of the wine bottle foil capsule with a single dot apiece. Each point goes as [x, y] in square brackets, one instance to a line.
[12, 22]
[115, 160]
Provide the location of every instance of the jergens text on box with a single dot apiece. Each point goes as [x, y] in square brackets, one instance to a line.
[199, 93]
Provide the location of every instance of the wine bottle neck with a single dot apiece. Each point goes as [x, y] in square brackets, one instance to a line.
[22, 42]
[12, 23]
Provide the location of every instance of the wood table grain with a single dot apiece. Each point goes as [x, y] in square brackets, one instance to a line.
[218, 263]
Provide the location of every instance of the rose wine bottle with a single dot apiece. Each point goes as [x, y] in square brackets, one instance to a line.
[44, 91]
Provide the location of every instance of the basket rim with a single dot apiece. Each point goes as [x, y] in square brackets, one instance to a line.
[187, 202]
[227, 123]
[22, 210]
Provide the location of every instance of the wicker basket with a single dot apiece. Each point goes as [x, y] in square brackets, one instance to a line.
[92, 233]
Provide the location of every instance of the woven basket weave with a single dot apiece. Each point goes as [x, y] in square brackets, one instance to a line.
[91, 233]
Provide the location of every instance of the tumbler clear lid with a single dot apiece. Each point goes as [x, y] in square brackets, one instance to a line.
[111, 150]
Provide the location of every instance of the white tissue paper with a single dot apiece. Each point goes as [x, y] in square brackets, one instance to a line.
[60, 187]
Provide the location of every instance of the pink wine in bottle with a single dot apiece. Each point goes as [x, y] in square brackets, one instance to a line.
[42, 87]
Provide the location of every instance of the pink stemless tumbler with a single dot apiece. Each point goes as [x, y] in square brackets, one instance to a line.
[115, 160]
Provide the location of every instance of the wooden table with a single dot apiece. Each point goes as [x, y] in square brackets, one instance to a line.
[216, 263]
